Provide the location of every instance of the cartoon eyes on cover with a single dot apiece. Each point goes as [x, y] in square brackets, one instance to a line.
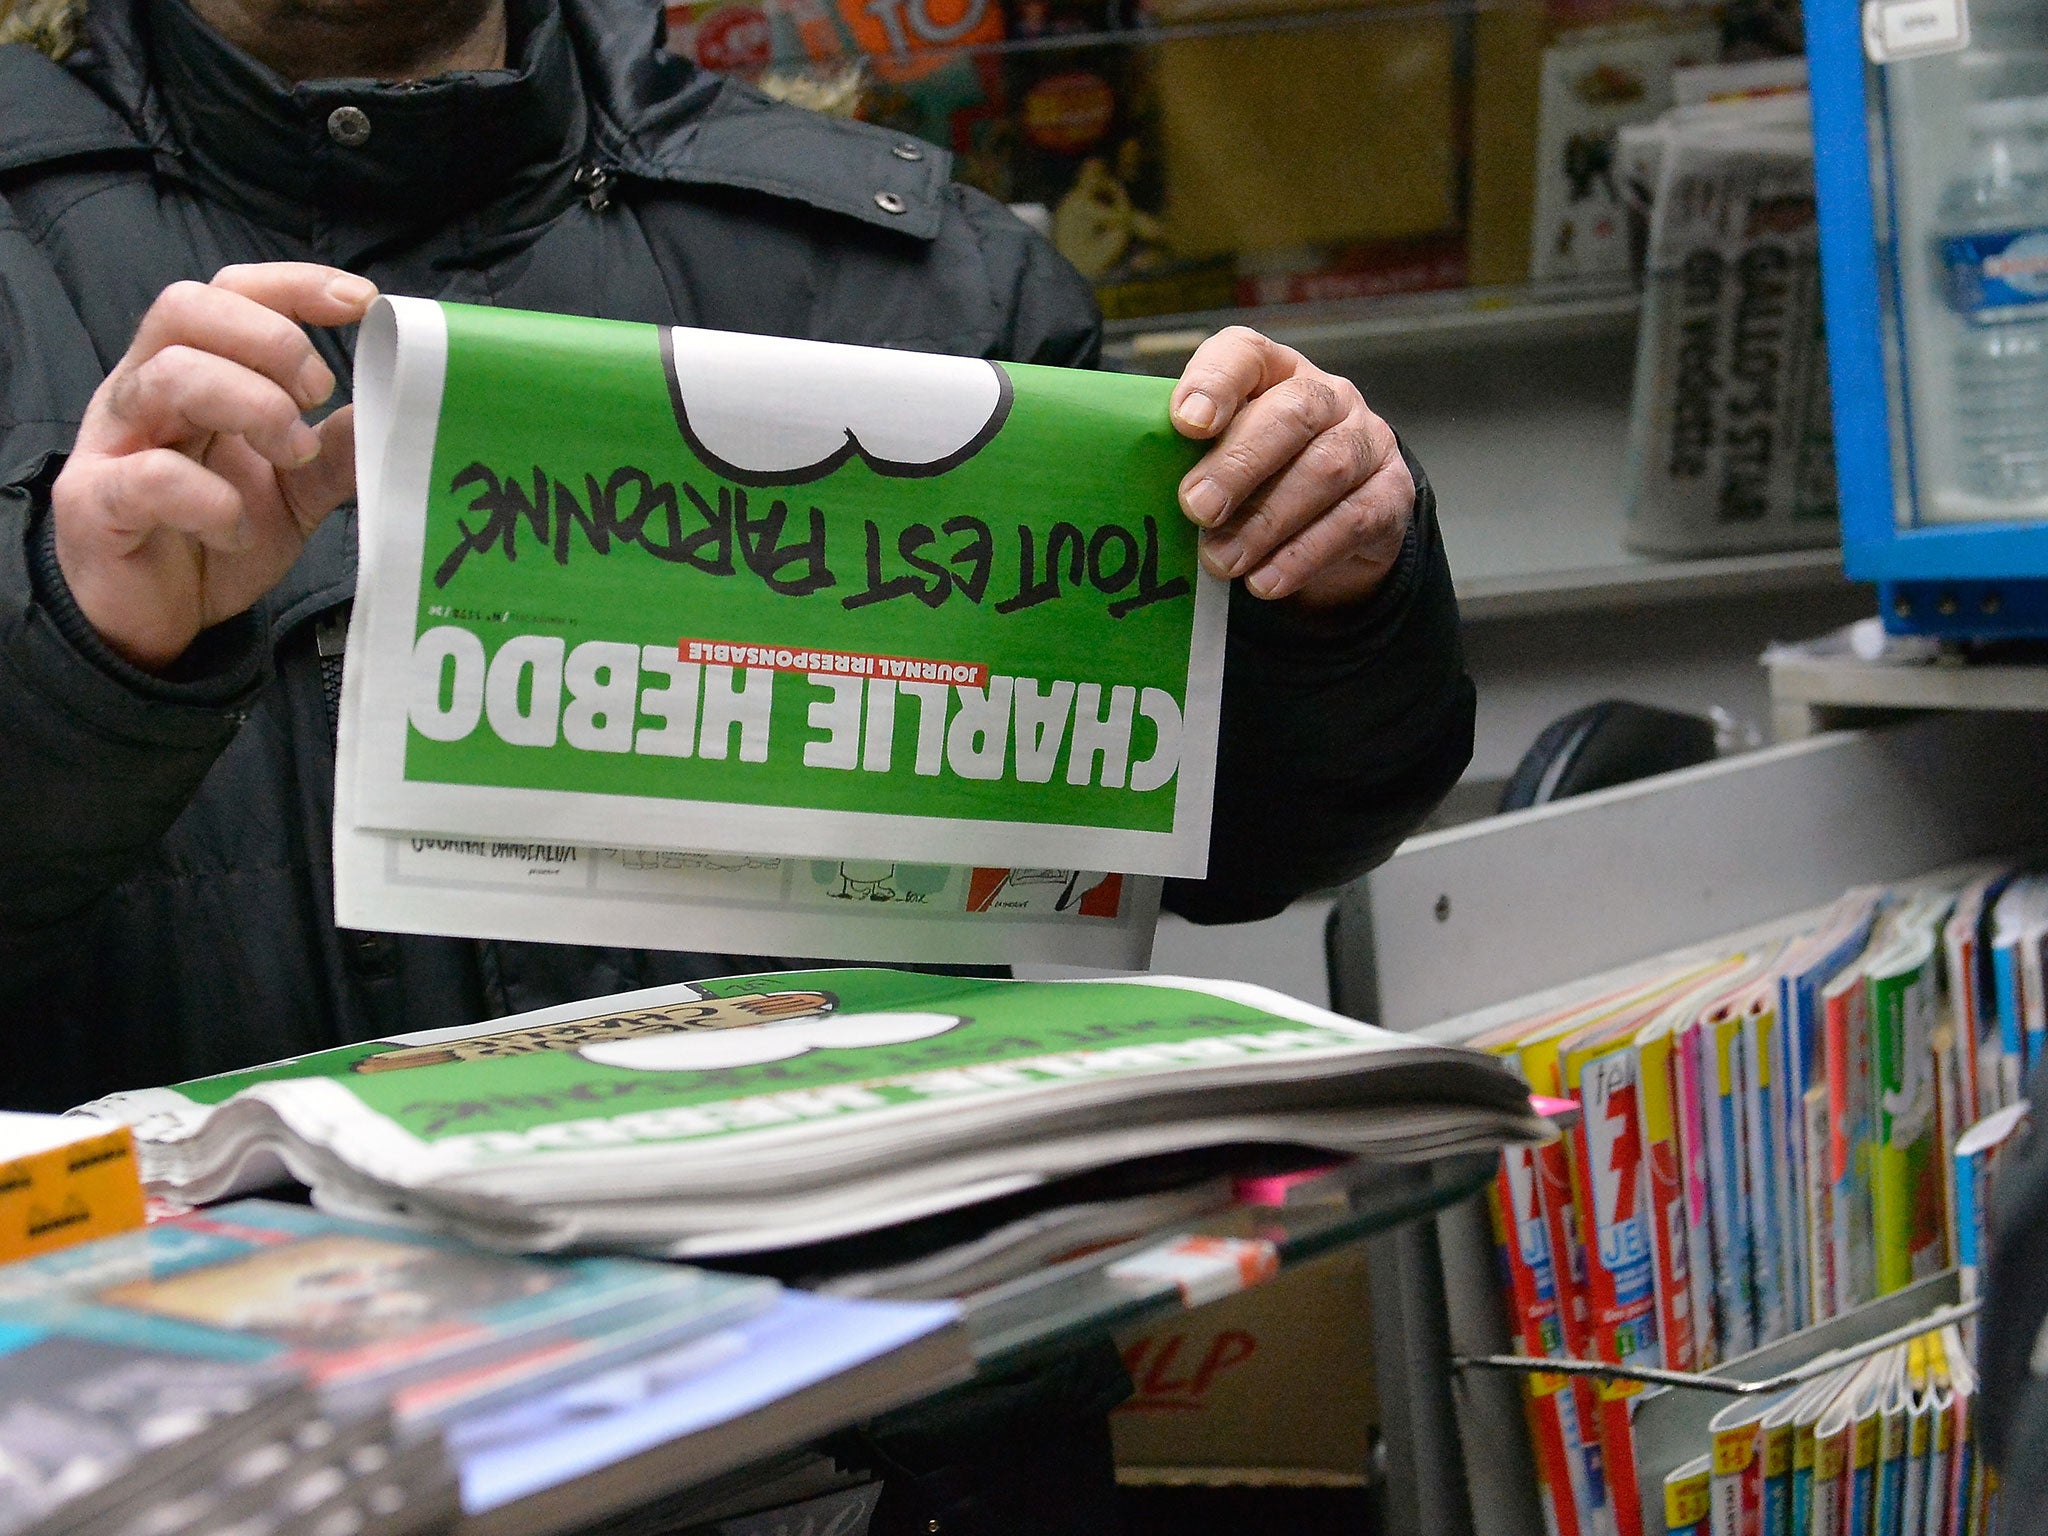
[694, 1035]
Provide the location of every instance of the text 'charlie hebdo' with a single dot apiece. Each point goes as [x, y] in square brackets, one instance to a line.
[613, 696]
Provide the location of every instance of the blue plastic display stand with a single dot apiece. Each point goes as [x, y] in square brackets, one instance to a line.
[1978, 581]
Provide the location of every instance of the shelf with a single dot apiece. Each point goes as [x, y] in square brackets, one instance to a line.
[1336, 333]
[1052, 1311]
[1616, 578]
[1195, 19]
[1671, 1426]
[1823, 683]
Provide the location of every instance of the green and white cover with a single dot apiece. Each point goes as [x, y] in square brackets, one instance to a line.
[759, 1111]
[630, 586]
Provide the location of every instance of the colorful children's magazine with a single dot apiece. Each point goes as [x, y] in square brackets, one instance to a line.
[1705, 1241]
[1941, 1447]
[1813, 1401]
[2034, 985]
[1908, 1222]
[1681, 1253]
[1809, 964]
[1977, 1155]
[1766, 1162]
[1893, 1429]
[1565, 1445]
[1850, 1129]
[1970, 1481]
[1737, 1489]
[1564, 1410]
[1867, 1403]
[1972, 993]
[1774, 1451]
[1719, 1044]
[1534, 1048]
[1688, 1502]
[1818, 1207]
[2019, 917]
[1919, 1438]
[1834, 1434]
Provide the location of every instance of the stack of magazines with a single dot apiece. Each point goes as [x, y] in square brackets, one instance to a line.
[1885, 1445]
[1772, 1133]
[110, 1437]
[762, 1112]
[265, 1368]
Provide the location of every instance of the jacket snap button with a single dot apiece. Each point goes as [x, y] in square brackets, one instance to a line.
[907, 152]
[349, 127]
[889, 202]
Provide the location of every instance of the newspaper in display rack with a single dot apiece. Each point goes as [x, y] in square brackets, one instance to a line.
[715, 633]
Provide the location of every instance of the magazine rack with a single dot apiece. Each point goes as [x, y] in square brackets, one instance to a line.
[1469, 927]
[1671, 1419]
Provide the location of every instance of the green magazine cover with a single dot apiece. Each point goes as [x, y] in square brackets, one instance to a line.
[1908, 1222]
[805, 1100]
[652, 587]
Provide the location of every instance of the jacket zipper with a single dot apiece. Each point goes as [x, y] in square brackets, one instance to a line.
[596, 179]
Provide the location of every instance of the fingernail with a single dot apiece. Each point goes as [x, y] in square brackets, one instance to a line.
[316, 382]
[1263, 581]
[350, 289]
[1205, 502]
[303, 444]
[1222, 556]
[1198, 411]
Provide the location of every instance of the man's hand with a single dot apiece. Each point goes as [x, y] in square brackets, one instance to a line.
[1304, 493]
[194, 483]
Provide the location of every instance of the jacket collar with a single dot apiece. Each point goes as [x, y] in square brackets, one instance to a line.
[373, 158]
[649, 114]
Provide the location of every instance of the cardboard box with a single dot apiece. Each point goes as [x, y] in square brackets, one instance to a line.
[1339, 135]
[1258, 166]
[64, 1181]
[1273, 1386]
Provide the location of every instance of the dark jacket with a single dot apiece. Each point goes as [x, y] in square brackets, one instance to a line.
[165, 886]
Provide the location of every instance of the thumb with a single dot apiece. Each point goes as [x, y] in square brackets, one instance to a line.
[316, 488]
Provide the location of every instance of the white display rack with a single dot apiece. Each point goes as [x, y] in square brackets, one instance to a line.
[1671, 1420]
[1823, 683]
[1164, 343]
[1516, 569]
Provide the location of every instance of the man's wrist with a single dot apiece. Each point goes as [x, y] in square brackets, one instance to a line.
[1287, 624]
[222, 665]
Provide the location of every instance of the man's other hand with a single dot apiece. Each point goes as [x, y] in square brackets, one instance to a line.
[194, 482]
[1303, 493]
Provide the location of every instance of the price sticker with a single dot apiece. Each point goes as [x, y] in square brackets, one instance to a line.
[1896, 30]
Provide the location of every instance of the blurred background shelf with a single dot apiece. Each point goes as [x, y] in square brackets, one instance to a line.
[1406, 323]
[1607, 575]
[1823, 684]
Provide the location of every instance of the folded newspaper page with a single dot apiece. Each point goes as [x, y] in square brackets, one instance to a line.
[762, 1111]
[738, 903]
[642, 587]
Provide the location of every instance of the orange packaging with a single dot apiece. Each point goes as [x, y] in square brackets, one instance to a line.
[64, 1181]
